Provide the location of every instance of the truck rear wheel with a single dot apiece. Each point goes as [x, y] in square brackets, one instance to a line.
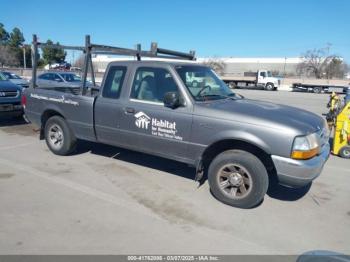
[238, 178]
[59, 137]
[269, 87]
[317, 90]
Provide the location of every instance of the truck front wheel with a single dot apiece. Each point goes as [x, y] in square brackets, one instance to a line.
[59, 137]
[238, 178]
[269, 87]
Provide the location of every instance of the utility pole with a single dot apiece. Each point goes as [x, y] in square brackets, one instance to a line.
[24, 57]
[284, 68]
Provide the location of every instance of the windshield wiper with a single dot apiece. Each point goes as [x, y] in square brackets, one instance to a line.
[204, 97]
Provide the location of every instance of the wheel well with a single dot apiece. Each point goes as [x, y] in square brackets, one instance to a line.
[45, 116]
[215, 149]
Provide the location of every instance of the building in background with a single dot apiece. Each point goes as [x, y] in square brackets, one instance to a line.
[279, 66]
[232, 66]
[286, 66]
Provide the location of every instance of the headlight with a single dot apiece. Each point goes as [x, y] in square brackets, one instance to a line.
[306, 147]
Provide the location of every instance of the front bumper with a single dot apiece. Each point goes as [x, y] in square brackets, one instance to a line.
[298, 173]
[10, 109]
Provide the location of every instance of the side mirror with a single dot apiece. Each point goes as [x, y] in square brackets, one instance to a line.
[172, 100]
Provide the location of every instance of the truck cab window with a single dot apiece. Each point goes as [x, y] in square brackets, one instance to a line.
[114, 82]
[263, 74]
[151, 84]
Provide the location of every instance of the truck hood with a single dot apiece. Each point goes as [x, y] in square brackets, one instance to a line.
[266, 114]
[9, 86]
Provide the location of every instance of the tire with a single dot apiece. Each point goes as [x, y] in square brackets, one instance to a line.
[234, 169]
[317, 90]
[59, 137]
[345, 152]
[232, 85]
[269, 87]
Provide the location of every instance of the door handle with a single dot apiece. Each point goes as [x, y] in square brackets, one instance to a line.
[129, 110]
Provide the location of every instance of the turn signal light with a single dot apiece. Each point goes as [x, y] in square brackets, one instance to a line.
[303, 155]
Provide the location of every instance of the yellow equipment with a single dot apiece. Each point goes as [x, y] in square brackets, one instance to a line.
[341, 140]
[338, 118]
[334, 106]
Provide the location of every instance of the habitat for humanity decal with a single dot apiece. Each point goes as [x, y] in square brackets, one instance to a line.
[158, 127]
[62, 99]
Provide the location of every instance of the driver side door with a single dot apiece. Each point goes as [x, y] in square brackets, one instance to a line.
[157, 129]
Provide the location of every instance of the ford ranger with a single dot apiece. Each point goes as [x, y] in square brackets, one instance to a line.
[240, 145]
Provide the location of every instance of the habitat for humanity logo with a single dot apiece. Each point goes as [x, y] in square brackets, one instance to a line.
[142, 120]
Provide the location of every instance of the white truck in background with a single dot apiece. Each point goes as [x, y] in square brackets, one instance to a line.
[262, 79]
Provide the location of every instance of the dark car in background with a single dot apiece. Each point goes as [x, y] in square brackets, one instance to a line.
[10, 97]
[12, 77]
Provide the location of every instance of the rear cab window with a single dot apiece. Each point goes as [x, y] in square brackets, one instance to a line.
[114, 82]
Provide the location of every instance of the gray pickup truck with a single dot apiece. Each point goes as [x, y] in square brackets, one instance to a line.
[152, 107]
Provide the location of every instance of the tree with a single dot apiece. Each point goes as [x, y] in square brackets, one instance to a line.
[216, 64]
[336, 68]
[319, 63]
[16, 38]
[8, 57]
[4, 35]
[314, 62]
[80, 61]
[53, 55]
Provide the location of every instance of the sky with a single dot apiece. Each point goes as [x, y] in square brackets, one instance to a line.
[220, 28]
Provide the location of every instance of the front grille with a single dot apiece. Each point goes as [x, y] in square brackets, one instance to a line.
[9, 94]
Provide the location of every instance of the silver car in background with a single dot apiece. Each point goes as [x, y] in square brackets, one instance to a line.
[60, 79]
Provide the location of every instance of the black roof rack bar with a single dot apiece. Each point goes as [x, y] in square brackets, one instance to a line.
[102, 49]
[142, 54]
[79, 48]
[171, 53]
[89, 49]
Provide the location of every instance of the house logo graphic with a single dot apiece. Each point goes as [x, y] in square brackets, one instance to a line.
[142, 120]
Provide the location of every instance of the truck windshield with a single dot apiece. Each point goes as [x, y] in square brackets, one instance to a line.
[203, 83]
[11, 75]
[269, 74]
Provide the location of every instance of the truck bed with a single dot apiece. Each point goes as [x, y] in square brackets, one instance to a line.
[318, 88]
[77, 109]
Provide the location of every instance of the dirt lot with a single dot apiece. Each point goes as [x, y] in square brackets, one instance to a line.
[105, 200]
